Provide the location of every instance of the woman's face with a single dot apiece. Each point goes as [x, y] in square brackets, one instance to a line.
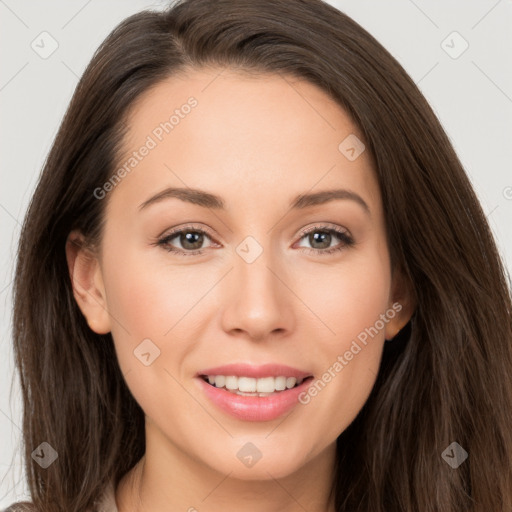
[282, 261]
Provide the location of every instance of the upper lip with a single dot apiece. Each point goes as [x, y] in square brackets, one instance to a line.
[255, 371]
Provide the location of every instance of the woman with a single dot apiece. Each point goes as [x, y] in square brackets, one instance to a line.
[180, 348]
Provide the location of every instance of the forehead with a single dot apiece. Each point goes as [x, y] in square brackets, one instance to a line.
[242, 134]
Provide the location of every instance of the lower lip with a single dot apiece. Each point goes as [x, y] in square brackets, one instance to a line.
[255, 408]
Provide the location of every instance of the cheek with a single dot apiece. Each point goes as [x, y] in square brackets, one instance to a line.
[349, 341]
[148, 297]
[152, 299]
[347, 298]
[148, 304]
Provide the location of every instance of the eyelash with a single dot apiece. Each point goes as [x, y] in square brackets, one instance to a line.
[347, 240]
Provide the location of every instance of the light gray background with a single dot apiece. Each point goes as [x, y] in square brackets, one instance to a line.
[471, 95]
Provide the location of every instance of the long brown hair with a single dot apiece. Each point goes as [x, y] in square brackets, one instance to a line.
[447, 379]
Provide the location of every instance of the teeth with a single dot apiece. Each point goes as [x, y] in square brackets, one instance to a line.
[290, 382]
[231, 382]
[249, 386]
[280, 383]
[265, 385]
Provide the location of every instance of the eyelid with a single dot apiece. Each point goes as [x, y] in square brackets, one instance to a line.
[324, 226]
[188, 227]
[302, 232]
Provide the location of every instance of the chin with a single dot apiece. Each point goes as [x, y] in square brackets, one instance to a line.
[266, 463]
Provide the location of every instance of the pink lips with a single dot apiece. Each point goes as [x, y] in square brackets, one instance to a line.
[254, 408]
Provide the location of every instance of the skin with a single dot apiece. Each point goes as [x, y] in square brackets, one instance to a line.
[256, 141]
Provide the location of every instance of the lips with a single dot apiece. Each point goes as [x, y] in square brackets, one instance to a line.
[262, 404]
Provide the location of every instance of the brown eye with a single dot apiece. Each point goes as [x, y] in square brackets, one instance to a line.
[185, 242]
[321, 237]
[191, 240]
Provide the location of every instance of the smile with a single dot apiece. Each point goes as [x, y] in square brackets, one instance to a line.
[250, 386]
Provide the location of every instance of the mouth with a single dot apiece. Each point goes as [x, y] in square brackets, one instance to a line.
[254, 393]
[250, 386]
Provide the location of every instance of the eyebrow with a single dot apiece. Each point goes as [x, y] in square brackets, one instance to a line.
[208, 200]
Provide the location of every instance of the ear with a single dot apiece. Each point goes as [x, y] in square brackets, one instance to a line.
[402, 302]
[87, 282]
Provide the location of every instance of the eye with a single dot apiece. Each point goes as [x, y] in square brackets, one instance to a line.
[323, 236]
[189, 238]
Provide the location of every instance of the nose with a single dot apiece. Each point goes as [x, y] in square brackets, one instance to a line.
[259, 302]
